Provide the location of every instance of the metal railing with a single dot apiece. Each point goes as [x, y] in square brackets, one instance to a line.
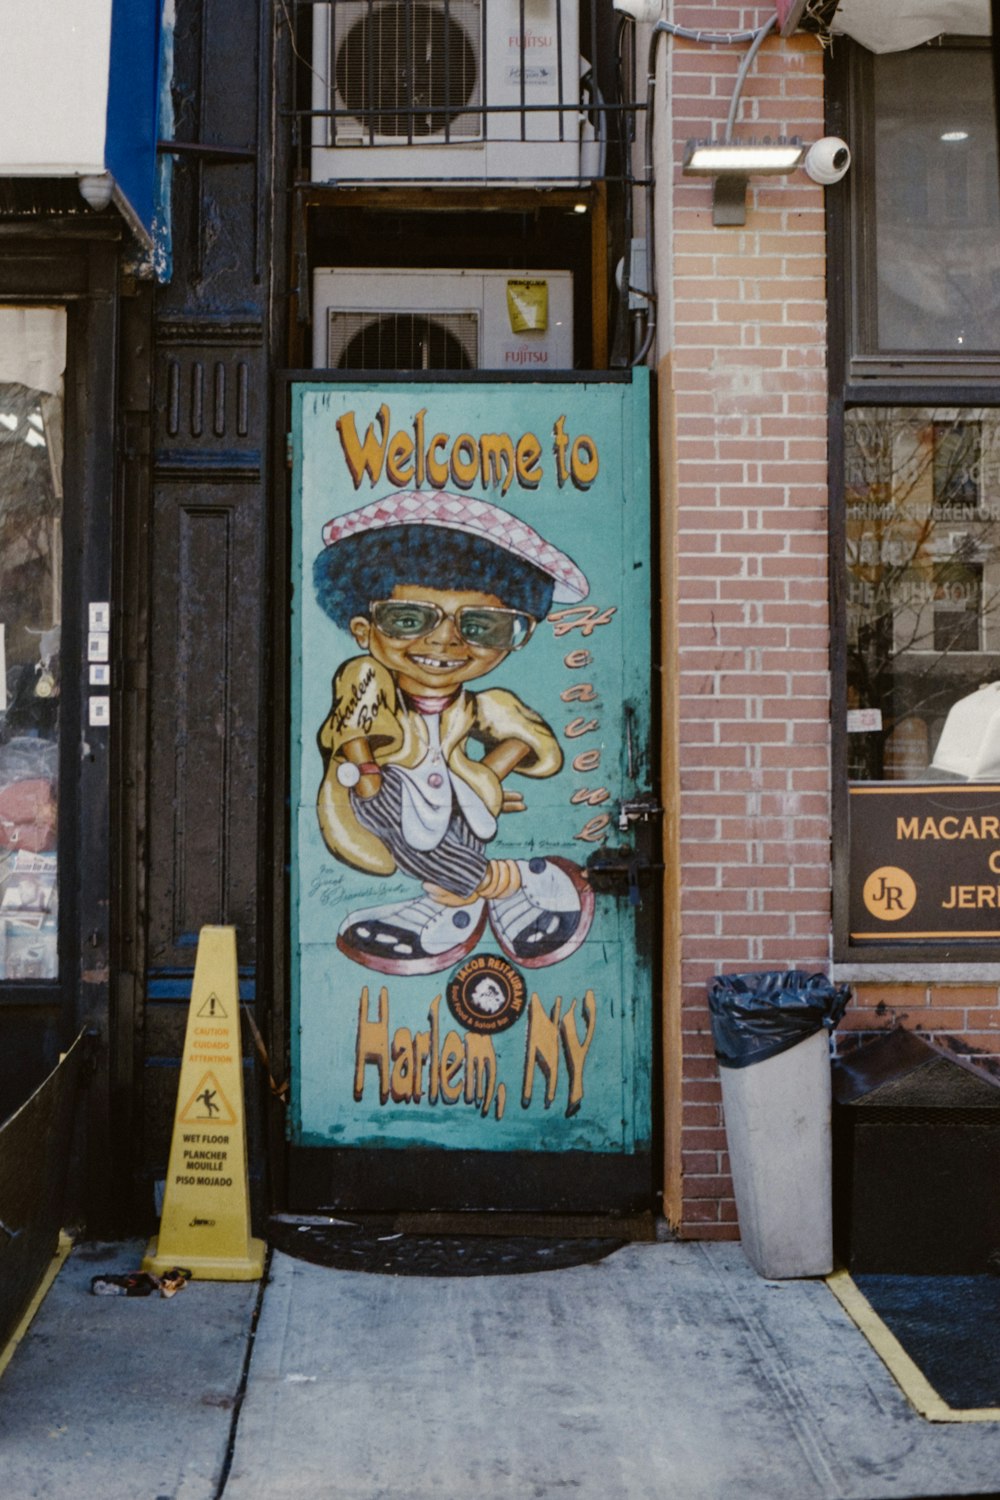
[35, 1147]
[497, 91]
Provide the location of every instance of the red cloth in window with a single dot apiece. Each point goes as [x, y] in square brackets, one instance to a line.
[28, 816]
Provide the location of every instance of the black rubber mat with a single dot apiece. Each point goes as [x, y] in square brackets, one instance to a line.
[361, 1247]
[950, 1328]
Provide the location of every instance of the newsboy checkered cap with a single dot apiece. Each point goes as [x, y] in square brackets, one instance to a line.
[477, 518]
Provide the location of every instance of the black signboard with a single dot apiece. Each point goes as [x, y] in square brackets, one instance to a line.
[925, 862]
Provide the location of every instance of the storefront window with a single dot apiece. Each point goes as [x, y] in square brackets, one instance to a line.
[922, 489]
[937, 204]
[32, 360]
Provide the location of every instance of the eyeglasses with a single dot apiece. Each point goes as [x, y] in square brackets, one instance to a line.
[486, 625]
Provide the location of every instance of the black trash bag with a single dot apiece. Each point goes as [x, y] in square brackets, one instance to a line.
[756, 1016]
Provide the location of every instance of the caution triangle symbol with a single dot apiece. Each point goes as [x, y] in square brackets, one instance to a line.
[208, 1105]
[213, 1009]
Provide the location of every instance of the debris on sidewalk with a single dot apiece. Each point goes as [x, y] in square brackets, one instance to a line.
[140, 1283]
[173, 1281]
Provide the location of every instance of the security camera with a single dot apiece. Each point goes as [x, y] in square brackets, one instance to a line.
[828, 160]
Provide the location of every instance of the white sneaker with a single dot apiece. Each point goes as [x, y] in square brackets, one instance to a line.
[418, 936]
[548, 918]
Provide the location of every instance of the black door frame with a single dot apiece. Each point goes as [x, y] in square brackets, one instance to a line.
[526, 1183]
[76, 266]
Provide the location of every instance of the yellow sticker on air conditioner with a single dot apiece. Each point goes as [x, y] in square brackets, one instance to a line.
[528, 306]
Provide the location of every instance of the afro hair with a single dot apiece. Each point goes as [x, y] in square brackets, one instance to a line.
[353, 571]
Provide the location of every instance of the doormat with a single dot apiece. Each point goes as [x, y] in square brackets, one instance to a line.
[354, 1246]
[936, 1334]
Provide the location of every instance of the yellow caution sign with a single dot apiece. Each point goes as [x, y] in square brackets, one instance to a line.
[205, 1224]
[208, 1105]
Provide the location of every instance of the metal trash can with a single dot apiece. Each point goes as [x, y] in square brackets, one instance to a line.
[771, 1032]
[916, 1159]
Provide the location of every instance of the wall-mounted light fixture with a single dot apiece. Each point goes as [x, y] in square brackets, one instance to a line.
[731, 163]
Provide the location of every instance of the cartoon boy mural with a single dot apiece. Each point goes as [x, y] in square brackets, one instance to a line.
[438, 590]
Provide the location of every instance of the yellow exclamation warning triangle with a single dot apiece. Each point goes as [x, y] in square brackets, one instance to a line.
[205, 1224]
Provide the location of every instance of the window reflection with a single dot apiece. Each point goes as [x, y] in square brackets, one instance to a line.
[923, 580]
[937, 201]
[30, 630]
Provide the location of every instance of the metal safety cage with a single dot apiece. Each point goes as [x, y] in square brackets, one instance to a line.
[475, 92]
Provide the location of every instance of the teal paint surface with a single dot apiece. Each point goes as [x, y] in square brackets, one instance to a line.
[576, 1026]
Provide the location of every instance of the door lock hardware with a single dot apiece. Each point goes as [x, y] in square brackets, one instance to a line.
[618, 872]
[638, 809]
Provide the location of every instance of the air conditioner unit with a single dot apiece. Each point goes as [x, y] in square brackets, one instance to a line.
[402, 91]
[375, 319]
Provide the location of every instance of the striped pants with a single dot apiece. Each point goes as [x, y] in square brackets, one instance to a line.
[458, 864]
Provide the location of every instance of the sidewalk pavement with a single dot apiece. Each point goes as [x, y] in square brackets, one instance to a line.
[666, 1370]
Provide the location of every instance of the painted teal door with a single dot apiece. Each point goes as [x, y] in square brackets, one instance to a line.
[471, 705]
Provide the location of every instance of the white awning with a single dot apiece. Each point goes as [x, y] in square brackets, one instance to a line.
[894, 25]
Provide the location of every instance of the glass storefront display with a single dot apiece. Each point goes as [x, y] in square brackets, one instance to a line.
[922, 495]
[32, 360]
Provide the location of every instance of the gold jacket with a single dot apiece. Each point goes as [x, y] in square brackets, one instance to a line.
[366, 703]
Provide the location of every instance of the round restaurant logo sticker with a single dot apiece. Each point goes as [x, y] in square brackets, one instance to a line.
[486, 994]
[889, 893]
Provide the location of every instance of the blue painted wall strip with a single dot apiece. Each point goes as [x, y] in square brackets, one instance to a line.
[133, 104]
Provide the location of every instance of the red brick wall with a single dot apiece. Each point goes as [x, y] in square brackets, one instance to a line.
[744, 405]
[963, 1017]
[746, 479]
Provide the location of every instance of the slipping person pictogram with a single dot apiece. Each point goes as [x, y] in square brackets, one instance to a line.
[438, 590]
[207, 1097]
